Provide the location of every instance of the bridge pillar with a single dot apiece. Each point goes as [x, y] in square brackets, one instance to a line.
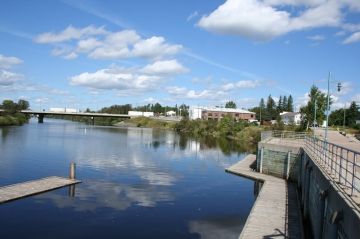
[93, 120]
[41, 118]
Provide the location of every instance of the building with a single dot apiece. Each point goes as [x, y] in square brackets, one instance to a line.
[170, 113]
[140, 113]
[208, 113]
[63, 110]
[290, 117]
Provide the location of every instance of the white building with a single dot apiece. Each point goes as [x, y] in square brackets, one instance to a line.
[140, 113]
[290, 118]
[63, 110]
[170, 113]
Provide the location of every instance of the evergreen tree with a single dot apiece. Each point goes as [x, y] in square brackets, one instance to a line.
[230, 104]
[352, 114]
[284, 103]
[280, 104]
[290, 106]
[270, 109]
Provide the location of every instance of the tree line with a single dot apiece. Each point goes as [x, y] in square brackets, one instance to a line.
[11, 114]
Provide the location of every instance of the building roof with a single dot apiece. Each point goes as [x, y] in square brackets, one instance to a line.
[289, 113]
[226, 110]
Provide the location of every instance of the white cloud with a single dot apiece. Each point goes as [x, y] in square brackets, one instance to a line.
[240, 85]
[192, 15]
[7, 62]
[316, 38]
[184, 93]
[261, 21]
[116, 45]
[9, 78]
[99, 43]
[116, 78]
[70, 33]
[154, 47]
[164, 67]
[355, 37]
[356, 98]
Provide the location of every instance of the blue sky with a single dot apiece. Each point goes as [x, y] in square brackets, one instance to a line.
[92, 54]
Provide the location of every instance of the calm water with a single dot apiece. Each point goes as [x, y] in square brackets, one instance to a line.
[137, 183]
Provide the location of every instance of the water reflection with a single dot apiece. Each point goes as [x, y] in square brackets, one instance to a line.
[224, 227]
[92, 195]
[131, 177]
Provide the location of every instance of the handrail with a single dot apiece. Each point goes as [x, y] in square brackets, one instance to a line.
[341, 164]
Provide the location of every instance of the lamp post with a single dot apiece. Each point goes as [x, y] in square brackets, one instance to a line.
[328, 106]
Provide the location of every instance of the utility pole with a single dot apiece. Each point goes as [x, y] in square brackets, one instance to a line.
[327, 108]
[344, 116]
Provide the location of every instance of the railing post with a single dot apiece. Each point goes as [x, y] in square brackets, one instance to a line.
[72, 171]
[353, 175]
[261, 158]
[288, 165]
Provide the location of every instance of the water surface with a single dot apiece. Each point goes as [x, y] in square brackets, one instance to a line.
[137, 183]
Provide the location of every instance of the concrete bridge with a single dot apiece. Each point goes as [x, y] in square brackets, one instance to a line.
[41, 114]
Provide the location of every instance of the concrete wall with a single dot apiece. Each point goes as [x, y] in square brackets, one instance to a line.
[321, 202]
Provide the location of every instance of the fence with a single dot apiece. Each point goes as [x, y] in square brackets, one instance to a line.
[282, 135]
[341, 164]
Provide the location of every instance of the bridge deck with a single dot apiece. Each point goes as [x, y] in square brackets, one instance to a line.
[20, 190]
[276, 213]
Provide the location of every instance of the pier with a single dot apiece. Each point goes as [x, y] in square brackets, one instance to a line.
[25, 189]
[275, 213]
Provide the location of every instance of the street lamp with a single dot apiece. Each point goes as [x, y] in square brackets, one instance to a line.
[328, 106]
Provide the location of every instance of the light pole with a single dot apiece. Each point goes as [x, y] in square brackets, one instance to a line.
[328, 106]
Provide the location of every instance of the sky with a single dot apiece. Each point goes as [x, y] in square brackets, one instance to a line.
[92, 54]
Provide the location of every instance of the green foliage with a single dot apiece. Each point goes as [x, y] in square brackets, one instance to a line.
[351, 115]
[230, 104]
[307, 112]
[11, 114]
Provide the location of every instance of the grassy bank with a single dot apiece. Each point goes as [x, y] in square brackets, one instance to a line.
[13, 119]
[151, 123]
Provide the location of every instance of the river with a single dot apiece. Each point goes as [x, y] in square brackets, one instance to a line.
[136, 183]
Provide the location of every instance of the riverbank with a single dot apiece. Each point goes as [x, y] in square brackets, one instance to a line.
[13, 119]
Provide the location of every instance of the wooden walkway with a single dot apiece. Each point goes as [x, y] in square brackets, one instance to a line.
[276, 212]
[21, 190]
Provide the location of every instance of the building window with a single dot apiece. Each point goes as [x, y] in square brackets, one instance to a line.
[237, 115]
[252, 116]
[209, 114]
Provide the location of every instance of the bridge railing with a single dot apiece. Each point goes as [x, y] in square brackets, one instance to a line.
[283, 135]
[340, 163]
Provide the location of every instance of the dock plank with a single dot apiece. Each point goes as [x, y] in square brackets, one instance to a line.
[21, 190]
[276, 213]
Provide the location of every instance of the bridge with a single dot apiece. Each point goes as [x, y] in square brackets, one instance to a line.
[41, 114]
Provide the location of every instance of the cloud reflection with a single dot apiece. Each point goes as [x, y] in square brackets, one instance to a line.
[218, 227]
[92, 195]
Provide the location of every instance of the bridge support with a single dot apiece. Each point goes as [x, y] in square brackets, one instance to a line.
[41, 118]
[93, 120]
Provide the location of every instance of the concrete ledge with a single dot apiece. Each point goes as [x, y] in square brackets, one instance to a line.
[276, 212]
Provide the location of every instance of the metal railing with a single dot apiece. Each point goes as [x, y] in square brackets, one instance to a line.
[283, 135]
[340, 163]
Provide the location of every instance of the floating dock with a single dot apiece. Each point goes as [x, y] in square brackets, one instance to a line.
[276, 212]
[21, 190]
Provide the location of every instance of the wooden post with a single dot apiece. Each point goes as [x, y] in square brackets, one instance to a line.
[72, 170]
[288, 165]
[261, 158]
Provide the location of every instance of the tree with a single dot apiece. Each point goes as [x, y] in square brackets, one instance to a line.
[290, 106]
[184, 110]
[23, 105]
[9, 106]
[280, 104]
[307, 112]
[352, 114]
[230, 104]
[284, 103]
[270, 109]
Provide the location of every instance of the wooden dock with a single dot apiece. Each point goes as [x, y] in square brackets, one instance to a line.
[21, 190]
[276, 212]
